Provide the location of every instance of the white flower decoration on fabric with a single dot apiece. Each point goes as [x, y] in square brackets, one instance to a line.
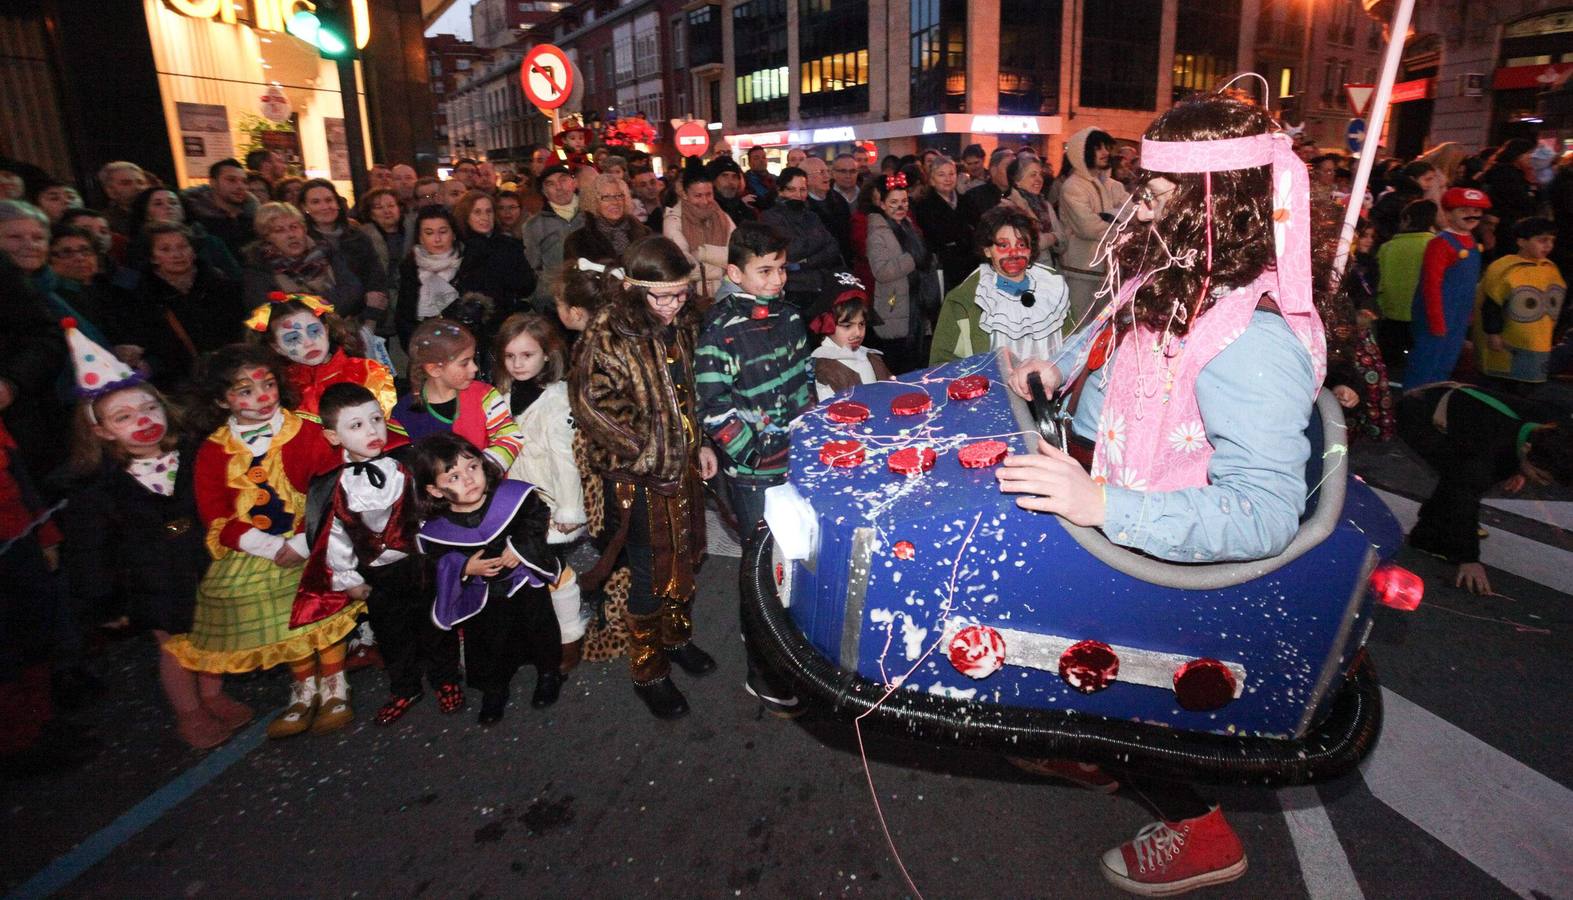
[1282, 213]
[1130, 480]
[1188, 437]
[847, 279]
[1112, 434]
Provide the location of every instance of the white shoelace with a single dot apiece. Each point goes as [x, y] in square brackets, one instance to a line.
[1156, 845]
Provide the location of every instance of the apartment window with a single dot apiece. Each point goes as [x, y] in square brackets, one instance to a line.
[1029, 79]
[678, 44]
[939, 56]
[1206, 44]
[623, 59]
[759, 44]
[462, 65]
[1119, 68]
[647, 46]
[833, 54]
[607, 71]
[704, 35]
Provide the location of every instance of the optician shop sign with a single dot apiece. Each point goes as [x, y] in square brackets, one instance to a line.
[268, 15]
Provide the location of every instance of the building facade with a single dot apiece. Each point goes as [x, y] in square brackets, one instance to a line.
[449, 61]
[1477, 72]
[193, 83]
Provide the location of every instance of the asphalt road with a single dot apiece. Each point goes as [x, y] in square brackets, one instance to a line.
[594, 798]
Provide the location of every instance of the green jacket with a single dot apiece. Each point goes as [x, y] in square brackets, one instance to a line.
[1398, 261]
[957, 334]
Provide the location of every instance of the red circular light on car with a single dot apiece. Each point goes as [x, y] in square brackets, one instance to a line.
[841, 454]
[968, 387]
[982, 454]
[1203, 684]
[847, 412]
[904, 550]
[911, 461]
[1397, 587]
[977, 651]
[915, 403]
[1089, 666]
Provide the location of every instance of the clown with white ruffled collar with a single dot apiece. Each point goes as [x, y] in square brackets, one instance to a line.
[1010, 302]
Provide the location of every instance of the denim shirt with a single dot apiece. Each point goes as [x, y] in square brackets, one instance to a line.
[1253, 401]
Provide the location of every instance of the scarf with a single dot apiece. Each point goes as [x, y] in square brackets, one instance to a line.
[619, 234]
[568, 211]
[701, 229]
[309, 273]
[436, 274]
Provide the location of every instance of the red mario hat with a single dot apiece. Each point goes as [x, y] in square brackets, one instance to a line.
[1461, 197]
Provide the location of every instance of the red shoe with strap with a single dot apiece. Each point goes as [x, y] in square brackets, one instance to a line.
[450, 698]
[395, 708]
[1168, 858]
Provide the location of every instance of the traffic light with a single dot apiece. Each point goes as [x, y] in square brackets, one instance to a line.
[323, 29]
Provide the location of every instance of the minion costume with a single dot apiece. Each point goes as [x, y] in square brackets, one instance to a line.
[1518, 299]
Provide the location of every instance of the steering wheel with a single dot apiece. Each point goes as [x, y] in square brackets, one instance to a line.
[1054, 423]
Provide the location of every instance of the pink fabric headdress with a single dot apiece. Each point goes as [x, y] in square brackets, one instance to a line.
[1291, 212]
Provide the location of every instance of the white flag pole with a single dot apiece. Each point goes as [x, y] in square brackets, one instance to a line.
[1374, 124]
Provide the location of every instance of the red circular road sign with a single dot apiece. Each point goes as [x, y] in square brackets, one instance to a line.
[693, 139]
[546, 76]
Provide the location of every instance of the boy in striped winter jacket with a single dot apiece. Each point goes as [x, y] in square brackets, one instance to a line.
[751, 369]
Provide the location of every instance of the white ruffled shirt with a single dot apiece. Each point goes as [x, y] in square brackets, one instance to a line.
[374, 505]
[1029, 333]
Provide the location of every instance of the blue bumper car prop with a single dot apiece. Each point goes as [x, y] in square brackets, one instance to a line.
[935, 608]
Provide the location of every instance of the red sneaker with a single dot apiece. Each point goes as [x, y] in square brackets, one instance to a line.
[1174, 857]
[363, 656]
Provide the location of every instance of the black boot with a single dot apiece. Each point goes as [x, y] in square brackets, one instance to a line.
[649, 668]
[691, 659]
[663, 698]
[492, 705]
[548, 685]
[677, 637]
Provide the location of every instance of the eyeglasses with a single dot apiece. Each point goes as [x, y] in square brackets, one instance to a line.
[841, 170]
[64, 253]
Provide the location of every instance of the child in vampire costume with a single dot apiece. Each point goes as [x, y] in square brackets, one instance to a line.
[487, 538]
[361, 521]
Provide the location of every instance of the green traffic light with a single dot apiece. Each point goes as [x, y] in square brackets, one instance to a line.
[306, 26]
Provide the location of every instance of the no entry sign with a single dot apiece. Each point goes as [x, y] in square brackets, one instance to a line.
[693, 139]
[546, 76]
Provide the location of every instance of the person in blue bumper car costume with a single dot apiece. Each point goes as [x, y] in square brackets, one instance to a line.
[1215, 354]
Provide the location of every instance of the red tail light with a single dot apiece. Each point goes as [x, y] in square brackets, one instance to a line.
[1397, 587]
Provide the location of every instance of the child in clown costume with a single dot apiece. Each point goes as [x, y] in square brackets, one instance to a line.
[1517, 305]
[1199, 412]
[251, 475]
[322, 349]
[1445, 298]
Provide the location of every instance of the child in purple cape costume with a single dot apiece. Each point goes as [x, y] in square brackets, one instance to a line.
[487, 536]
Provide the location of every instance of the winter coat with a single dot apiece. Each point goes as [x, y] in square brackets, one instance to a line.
[131, 551]
[949, 236]
[592, 241]
[361, 255]
[494, 266]
[637, 417]
[814, 251]
[1084, 199]
[211, 314]
[235, 231]
[32, 359]
[709, 258]
[347, 295]
[544, 234]
[546, 460]
[1513, 197]
[891, 266]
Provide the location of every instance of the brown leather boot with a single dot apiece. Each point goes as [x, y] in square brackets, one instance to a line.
[648, 666]
[677, 637]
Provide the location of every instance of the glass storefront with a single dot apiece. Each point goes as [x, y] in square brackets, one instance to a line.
[230, 87]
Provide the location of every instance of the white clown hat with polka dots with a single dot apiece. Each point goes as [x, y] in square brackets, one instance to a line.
[97, 370]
